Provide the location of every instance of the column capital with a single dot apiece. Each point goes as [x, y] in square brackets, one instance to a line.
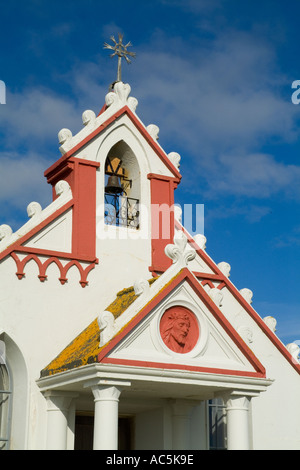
[59, 400]
[102, 384]
[106, 392]
[238, 423]
[238, 399]
[237, 402]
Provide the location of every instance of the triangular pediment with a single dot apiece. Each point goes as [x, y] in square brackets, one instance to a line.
[118, 112]
[182, 328]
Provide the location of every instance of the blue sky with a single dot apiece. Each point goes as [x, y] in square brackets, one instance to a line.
[214, 75]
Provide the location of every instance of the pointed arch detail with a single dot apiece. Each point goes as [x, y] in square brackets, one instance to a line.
[43, 266]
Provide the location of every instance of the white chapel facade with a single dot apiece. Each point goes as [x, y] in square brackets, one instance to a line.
[118, 330]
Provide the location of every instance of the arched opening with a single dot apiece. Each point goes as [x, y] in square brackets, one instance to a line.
[122, 187]
[13, 395]
[5, 401]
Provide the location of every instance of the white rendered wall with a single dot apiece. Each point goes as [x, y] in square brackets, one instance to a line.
[275, 412]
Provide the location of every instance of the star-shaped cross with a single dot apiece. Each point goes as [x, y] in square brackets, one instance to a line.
[121, 51]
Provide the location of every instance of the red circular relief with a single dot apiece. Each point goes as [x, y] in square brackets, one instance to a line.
[179, 329]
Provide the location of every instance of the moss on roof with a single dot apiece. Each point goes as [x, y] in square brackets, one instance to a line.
[84, 349]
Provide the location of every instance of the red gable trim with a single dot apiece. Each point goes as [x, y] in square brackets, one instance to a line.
[269, 333]
[125, 110]
[157, 365]
[243, 302]
[186, 275]
[17, 245]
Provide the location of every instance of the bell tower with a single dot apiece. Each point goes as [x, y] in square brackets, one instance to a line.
[122, 183]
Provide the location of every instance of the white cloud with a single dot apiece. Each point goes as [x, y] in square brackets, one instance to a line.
[258, 175]
[219, 102]
[222, 105]
[22, 180]
[34, 116]
[221, 97]
[252, 213]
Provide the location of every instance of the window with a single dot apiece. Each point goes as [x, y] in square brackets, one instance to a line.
[217, 424]
[5, 407]
[84, 430]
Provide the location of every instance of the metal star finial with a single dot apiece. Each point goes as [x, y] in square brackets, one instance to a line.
[121, 51]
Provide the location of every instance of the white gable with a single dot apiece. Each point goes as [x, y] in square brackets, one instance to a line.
[214, 349]
[55, 236]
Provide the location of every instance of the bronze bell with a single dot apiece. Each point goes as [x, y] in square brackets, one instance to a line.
[113, 185]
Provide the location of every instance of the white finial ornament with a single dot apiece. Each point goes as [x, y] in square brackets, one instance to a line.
[180, 252]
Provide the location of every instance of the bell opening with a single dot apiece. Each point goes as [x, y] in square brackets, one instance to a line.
[113, 185]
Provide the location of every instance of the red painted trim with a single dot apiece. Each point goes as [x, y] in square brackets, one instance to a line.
[57, 254]
[221, 285]
[162, 219]
[207, 282]
[125, 110]
[44, 265]
[186, 275]
[225, 323]
[104, 108]
[269, 333]
[53, 256]
[18, 243]
[157, 365]
[200, 252]
[243, 302]
[80, 173]
[158, 150]
[169, 179]
[205, 276]
[84, 212]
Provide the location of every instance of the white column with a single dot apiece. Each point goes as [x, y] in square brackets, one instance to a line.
[238, 432]
[57, 419]
[180, 425]
[106, 397]
[106, 417]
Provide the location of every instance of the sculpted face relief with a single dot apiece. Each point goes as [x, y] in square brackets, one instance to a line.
[179, 329]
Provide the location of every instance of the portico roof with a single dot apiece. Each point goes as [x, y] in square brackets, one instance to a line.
[129, 311]
[84, 349]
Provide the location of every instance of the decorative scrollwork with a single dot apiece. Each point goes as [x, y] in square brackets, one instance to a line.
[64, 135]
[179, 252]
[5, 232]
[200, 239]
[247, 294]
[106, 325]
[120, 96]
[216, 295]
[224, 268]
[175, 158]
[141, 287]
[34, 209]
[271, 322]
[294, 350]
[88, 117]
[246, 333]
[178, 213]
[153, 131]
[62, 187]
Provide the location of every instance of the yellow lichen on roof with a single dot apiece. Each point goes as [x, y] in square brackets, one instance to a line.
[84, 348]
